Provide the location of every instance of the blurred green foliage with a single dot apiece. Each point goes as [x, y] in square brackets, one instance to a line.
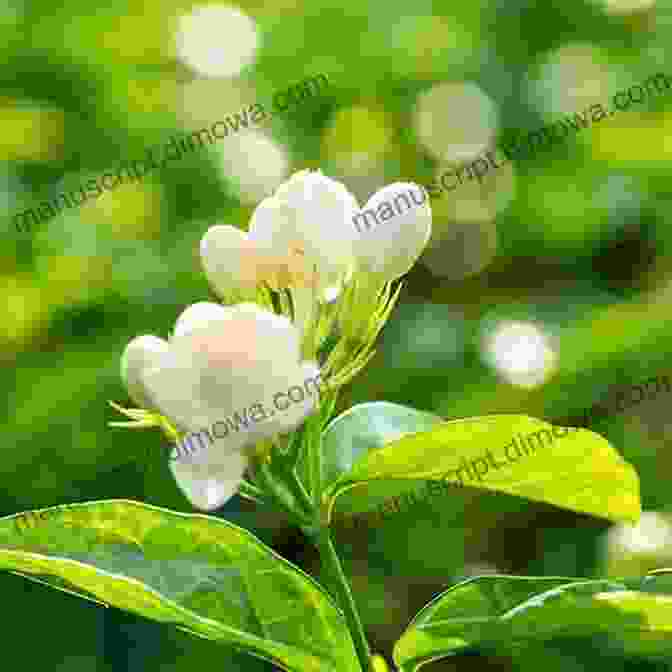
[576, 242]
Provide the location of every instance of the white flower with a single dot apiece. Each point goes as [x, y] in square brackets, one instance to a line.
[300, 237]
[141, 353]
[231, 262]
[310, 216]
[219, 364]
[235, 265]
[394, 227]
[311, 233]
[311, 237]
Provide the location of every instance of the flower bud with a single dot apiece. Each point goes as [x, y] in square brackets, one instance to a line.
[217, 377]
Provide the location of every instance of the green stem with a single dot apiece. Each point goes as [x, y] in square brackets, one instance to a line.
[345, 598]
[321, 536]
[301, 493]
[285, 497]
[313, 427]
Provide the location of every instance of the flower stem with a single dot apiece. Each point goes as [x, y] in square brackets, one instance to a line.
[314, 443]
[345, 598]
[321, 536]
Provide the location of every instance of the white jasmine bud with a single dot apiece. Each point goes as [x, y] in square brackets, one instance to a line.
[220, 365]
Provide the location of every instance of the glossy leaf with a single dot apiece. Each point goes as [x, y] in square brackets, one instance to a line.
[575, 469]
[365, 428]
[509, 611]
[203, 575]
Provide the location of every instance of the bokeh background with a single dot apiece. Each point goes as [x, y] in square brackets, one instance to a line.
[544, 290]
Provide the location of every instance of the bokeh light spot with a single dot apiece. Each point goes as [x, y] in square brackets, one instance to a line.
[255, 163]
[520, 352]
[217, 40]
[455, 120]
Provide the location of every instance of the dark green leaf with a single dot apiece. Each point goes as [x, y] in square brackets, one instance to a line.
[203, 575]
[509, 611]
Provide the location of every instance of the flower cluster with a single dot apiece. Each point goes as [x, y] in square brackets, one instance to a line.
[304, 295]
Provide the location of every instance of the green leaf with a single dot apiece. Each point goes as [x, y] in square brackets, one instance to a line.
[462, 616]
[509, 611]
[574, 469]
[364, 428]
[203, 575]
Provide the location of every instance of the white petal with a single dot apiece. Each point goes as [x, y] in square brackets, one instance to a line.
[230, 261]
[325, 209]
[295, 181]
[281, 406]
[272, 227]
[233, 362]
[389, 247]
[290, 412]
[310, 219]
[174, 385]
[206, 486]
[198, 316]
[316, 192]
[211, 445]
[221, 367]
[236, 336]
[141, 353]
[277, 331]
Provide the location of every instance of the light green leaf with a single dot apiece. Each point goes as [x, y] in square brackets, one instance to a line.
[510, 611]
[575, 469]
[203, 575]
[364, 428]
